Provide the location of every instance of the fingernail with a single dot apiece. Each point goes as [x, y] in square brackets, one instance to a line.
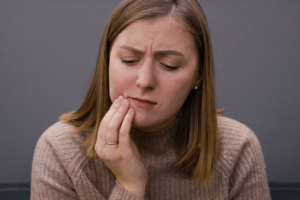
[119, 99]
[124, 103]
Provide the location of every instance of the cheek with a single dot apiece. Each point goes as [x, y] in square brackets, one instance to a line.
[177, 92]
[119, 81]
[179, 87]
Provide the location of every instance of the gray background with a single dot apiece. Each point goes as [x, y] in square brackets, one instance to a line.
[48, 51]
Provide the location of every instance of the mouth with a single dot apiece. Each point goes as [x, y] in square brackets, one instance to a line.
[144, 100]
[142, 103]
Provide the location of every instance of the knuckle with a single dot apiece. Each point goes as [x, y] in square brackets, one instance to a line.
[110, 127]
[122, 133]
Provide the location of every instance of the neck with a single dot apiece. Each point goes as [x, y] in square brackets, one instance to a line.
[158, 127]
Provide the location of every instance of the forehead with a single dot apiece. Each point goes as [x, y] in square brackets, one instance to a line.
[160, 33]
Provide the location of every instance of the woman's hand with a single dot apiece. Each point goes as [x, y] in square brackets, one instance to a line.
[122, 159]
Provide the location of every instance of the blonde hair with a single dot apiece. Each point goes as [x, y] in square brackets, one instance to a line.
[200, 148]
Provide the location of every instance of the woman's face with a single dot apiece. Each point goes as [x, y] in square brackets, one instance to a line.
[153, 63]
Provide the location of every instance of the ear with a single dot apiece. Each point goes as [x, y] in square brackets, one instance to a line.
[198, 80]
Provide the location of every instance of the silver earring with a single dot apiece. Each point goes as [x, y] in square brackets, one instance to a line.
[196, 87]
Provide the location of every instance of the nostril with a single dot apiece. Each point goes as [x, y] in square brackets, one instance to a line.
[146, 78]
[144, 86]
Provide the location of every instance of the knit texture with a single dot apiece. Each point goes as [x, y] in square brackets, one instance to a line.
[61, 169]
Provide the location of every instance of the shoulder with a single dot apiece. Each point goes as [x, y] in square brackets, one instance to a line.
[59, 130]
[58, 135]
[232, 129]
[64, 147]
[238, 145]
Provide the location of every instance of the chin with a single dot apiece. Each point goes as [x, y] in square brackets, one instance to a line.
[142, 123]
[139, 123]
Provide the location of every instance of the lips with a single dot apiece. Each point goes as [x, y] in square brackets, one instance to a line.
[143, 103]
[144, 100]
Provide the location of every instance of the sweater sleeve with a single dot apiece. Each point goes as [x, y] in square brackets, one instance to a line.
[120, 193]
[49, 180]
[57, 174]
[248, 179]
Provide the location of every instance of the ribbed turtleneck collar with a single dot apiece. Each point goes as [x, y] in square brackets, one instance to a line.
[156, 142]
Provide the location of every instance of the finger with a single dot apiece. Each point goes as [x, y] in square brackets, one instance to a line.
[124, 137]
[112, 110]
[101, 137]
[114, 125]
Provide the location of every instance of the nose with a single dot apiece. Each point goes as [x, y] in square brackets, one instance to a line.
[146, 78]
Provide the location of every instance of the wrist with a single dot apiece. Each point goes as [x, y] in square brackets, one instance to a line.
[137, 190]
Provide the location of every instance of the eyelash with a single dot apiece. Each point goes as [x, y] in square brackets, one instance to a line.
[169, 67]
[133, 61]
[129, 61]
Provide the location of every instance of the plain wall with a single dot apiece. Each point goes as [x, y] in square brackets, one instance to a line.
[48, 50]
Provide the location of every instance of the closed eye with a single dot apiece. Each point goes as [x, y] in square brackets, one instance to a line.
[166, 66]
[129, 61]
[169, 67]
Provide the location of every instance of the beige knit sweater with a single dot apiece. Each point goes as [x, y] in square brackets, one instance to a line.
[61, 169]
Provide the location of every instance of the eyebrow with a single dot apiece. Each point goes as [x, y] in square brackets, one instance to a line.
[137, 51]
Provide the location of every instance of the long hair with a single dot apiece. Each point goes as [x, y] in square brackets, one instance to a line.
[199, 132]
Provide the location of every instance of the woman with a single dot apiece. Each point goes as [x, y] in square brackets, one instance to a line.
[148, 127]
